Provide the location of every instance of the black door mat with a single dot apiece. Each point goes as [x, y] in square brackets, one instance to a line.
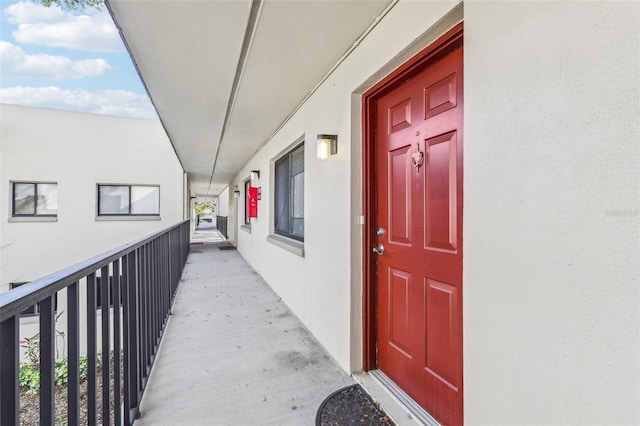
[227, 248]
[351, 406]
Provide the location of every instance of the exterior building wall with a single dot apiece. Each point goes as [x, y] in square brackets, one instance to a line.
[551, 219]
[78, 151]
[223, 203]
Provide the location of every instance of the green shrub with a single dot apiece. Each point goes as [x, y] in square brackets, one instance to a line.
[30, 373]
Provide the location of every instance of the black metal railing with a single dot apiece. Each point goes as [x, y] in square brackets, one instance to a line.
[144, 276]
[221, 224]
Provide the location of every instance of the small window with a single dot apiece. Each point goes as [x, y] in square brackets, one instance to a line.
[289, 194]
[34, 199]
[128, 200]
[247, 219]
[34, 310]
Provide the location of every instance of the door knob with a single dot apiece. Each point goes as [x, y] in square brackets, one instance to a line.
[379, 250]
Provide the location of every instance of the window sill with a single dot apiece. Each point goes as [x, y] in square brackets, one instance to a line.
[126, 218]
[246, 228]
[33, 219]
[293, 246]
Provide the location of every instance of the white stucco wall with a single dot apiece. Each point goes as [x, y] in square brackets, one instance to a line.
[78, 151]
[551, 220]
[223, 203]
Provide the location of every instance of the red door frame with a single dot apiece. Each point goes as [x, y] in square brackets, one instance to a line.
[432, 53]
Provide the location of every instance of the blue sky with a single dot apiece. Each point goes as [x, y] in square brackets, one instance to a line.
[72, 60]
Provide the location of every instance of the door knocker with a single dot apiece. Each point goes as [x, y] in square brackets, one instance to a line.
[417, 158]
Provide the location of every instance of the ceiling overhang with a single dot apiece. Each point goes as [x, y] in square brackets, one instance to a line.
[224, 75]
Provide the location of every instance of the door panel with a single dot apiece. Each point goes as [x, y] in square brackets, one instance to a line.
[399, 310]
[400, 196]
[441, 332]
[440, 213]
[419, 205]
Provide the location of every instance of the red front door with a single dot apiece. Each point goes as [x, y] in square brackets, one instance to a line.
[419, 210]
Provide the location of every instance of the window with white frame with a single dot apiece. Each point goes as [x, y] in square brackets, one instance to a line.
[128, 200]
[289, 194]
[34, 199]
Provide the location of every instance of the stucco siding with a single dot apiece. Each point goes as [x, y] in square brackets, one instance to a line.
[551, 207]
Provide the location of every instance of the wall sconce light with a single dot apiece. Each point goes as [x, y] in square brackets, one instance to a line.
[255, 174]
[327, 145]
[236, 192]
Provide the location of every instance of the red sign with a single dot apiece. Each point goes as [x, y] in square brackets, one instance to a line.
[252, 201]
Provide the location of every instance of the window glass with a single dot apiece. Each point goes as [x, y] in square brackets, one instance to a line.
[24, 198]
[145, 200]
[289, 194]
[113, 199]
[281, 196]
[47, 203]
[297, 192]
[247, 219]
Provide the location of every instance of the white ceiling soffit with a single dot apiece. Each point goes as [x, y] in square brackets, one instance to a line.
[190, 52]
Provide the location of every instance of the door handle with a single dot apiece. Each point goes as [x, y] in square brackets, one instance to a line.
[379, 250]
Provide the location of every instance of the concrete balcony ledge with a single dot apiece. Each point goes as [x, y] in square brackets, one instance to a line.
[233, 354]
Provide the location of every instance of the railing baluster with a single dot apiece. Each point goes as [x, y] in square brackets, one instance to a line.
[153, 324]
[91, 349]
[9, 371]
[47, 361]
[106, 356]
[73, 332]
[130, 329]
[148, 311]
[157, 296]
[142, 303]
[116, 343]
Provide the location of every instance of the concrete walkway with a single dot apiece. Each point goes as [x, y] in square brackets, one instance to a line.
[232, 353]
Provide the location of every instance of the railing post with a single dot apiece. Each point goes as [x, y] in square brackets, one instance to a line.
[117, 399]
[9, 371]
[47, 361]
[91, 349]
[106, 346]
[73, 333]
[131, 341]
[134, 326]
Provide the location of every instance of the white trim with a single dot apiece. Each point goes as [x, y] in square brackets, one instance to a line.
[33, 219]
[395, 402]
[293, 246]
[126, 218]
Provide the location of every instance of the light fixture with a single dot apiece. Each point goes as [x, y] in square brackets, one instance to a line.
[236, 192]
[255, 174]
[327, 145]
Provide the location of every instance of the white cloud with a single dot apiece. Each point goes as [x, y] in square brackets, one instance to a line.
[109, 102]
[17, 64]
[31, 13]
[93, 31]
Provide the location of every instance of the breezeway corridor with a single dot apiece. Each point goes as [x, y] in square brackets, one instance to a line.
[232, 353]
